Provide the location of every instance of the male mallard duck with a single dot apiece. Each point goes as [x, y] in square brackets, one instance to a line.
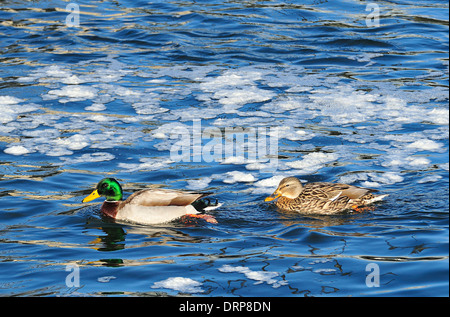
[321, 198]
[148, 206]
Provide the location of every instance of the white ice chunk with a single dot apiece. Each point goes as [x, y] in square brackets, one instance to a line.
[439, 116]
[10, 107]
[198, 184]
[235, 160]
[368, 184]
[403, 161]
[55, 71]
[353, 177]
[236, 176]
[171, 130]
[429, 179]
[74, 142]
[73, 92]
[148, 164]
[271, 182]
[290, 133]
[9, 100]
[324, 271]
[242, 96]
[425, 145]
[388, 178]
[258, 276]
[419, 162]
[313, 161]
[235, 87]
[88, 158]
[96, 107]
[180, 284]
[230, 78]
[17, 150]
[72, 80]
[106, 279]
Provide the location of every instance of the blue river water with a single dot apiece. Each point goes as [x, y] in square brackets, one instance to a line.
[226, 97]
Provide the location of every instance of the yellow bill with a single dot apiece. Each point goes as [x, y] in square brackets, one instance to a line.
[274, 196]
[91, 197]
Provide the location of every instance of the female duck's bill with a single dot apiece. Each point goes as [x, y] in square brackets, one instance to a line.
[274, 196]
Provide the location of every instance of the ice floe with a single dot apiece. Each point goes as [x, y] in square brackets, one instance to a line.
[11, 106]
[425, 145]
[96, 107]
[180, 284]
[429, 179]
[236, 176]
[88, 158]
[321, 119]
[198, 184]
[387, 178]
[71, 93]
[372, 179]
[106, 279]
[271, 278]
[17, 150]
[312, 162]
[146, 164]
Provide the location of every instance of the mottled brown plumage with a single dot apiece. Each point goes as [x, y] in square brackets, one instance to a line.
[321, 198]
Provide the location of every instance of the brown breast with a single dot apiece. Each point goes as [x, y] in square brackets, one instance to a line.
[110, 208]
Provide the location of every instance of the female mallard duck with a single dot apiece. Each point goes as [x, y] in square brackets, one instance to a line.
[321, 198]
[148, 206]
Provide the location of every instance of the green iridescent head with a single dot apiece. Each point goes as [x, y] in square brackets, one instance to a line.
[107, 187]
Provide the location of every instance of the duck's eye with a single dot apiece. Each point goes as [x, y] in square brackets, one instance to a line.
[105, 185]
